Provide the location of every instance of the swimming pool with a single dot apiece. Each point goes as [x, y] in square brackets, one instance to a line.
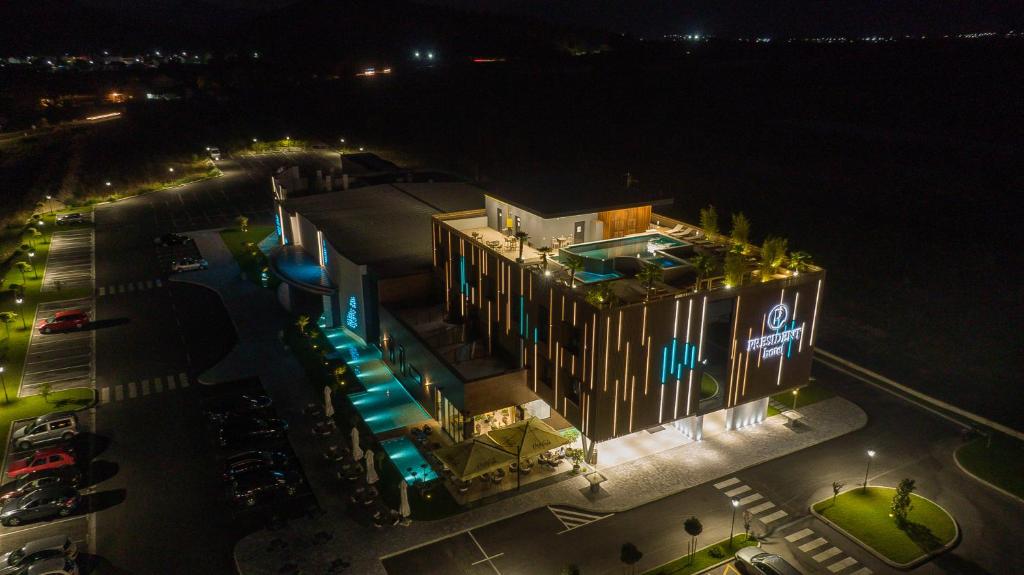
[403, 453]
[642, 245]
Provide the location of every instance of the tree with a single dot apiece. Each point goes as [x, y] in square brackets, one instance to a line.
[601, 295]
[740, 229]
[571, 569]
[902, 504]
[7, 317]
[704, 265]
[649, 274]
[773, 254]
[243, 223]
[630, 556]
[544, 251]
[573, 263]
[302, 322]
[24, 267]
[339, 374]
[45, 390]
[709, 219]
[521, 238]
[837, 486]
[735, 268]
[748, 518]
[694, 528]
[33, 234]
[799, 260]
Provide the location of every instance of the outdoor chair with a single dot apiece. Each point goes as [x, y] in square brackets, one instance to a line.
[498, 476]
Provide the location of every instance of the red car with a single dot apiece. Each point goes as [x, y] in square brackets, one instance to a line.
[64, 320]
[43, 459]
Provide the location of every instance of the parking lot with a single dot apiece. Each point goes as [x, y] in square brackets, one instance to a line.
[63, 360]
[70, 262]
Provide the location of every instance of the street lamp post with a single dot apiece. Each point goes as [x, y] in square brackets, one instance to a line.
[871, 455]
[18, 300]
[35, 272]
[732, 526]
[3, 384]
[49, 202]
[795, 393]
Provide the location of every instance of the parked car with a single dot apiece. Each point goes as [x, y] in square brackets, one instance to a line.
[23, 485]
[255, 460]
[44, 503]
[64, 320]
[228, 406]
[51, 566]
[237, 430]
[757, 562]
[189, 264]
[55, 546]
[49, 428]
[43, 459]
[251, 488]
[171, 240]
[74, 218]
[215, 154]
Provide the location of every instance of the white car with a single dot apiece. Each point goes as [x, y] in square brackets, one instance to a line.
[757, 562]
[39, 550]
[189, 264]
[215, 154]
[53, 566]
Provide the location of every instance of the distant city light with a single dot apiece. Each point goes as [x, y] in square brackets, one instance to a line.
[103, 116]
[107, 184]
[430, 55]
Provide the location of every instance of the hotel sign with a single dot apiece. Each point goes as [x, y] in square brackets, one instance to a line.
[774, 344]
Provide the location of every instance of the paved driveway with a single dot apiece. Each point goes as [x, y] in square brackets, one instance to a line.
[70, 264]
[63, 360]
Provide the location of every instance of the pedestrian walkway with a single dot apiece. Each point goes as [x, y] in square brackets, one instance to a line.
[129, 287]
[827, 555]
[143, 387]
[751, 502]
[58, 360]
[69, 264]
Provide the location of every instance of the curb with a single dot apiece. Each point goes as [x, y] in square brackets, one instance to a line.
[984, 481]
[904, 566]
[203, 179]
[706, 569]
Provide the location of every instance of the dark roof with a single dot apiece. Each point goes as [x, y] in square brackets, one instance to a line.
[385, 227]
[557, 197]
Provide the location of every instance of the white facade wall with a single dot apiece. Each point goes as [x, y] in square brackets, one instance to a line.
[542, 231]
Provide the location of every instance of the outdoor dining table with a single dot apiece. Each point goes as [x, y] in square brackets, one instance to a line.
[493, 244]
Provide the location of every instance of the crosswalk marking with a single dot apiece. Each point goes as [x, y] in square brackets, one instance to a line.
[103, 290]
[738, 490]
[118, 392]
[843, 564]
[727, 483]
[827, 554]
[862, 571]
[572, 519]
[184, 379]
[794, 537]
[170, 383]
[141, 388]
[759, 508]
[751, 498]
[140, 285]
[145, 387]
[132, 392]
[812, 545]
[159, 385]
[774, 516]
[104, 394]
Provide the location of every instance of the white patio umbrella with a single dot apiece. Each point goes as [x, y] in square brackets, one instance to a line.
[371, 471]
[357, 452]
[328, 402]
[404, 509]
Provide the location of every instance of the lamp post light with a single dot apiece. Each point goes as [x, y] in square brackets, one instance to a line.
[795, 393]
[49, 202]
[732, 527]
[871, 455]
[18, 300]
[3, 384]
[32, 254]
[107, 183]
[171, 170]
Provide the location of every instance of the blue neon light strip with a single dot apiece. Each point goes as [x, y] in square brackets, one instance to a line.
[664, 363]
[789, 348]
[462, 274]
[535, 339]
[522, 316]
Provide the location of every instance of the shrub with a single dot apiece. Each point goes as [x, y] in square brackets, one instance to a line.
[716, 552]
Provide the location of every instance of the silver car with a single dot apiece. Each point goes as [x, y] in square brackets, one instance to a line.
[758, 562]
[189, 264]
[54, 566]
[45, 429]
[38, 551]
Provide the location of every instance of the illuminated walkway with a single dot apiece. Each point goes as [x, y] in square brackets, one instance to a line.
[385, 405]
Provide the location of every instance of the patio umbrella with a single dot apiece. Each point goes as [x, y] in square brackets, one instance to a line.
[404, 507]
[357, 452]
[474, 457]
[328, 402]
[527, 438]
[371, 471]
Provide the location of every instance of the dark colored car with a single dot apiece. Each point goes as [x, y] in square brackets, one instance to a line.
[44, 503]
[72, 218]
[67, 475]
[63, 321]
[40, 460]
[237, 405]
[171, 240]
[250, 488]
[256, 460]
[235, 430]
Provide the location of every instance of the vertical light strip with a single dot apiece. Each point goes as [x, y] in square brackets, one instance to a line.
[551, 310]
[760, 352]
[618, 338]
[689, 393]
[814, 316]
[800, 347]
[675, 322]
[615, 410]
[558, 368]
[536, 365]
[734, 378]
[593, 350]
[583, 358]
[746, 370]
[661, 404]
[607, 345]
[320, 247]
[647, 366]
[625, 369]
[700, 345]
[562, 318]
[632, 403]
[574, 313]
[643, 328]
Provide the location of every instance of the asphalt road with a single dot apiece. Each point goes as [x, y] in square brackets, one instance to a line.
[909, 443]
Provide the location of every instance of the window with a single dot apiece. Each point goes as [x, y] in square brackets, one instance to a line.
[415, 374]
[501, 222]
[542, 323]
[60, 424]
[519, 224]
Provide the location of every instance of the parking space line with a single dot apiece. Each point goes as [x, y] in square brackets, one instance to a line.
[159, 385]
[170, 383]
[145, 387]
[104, 395]
[132, 392]
[118, 392]
[486, 558]
[103, 290]
[184, 379]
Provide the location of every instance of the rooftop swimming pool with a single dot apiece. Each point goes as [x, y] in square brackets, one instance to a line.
[403, 453]
[642, 245]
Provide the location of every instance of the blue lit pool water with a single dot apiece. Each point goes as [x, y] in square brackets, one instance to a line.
[644, 245]
[407, 458]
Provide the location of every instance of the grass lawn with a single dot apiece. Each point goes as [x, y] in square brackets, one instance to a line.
[808, 394]
[708, 386]
[1002, 464]
[865, 515]
[252, 265]
[703, 559]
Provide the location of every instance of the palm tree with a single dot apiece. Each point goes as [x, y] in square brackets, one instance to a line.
[735, 269]
[521, 237]
[704, 264]
[773, 253]
[573, 263]
[630, 556]
[709, 220]
[799, 260]
[740, 229]
[33, 234]
[600, 295]
[24, 267]
[544, 251]
[649, 274]
[302, 322]
[7, 317]
[694, 528]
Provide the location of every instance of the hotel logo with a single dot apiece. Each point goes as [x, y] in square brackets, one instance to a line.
[777, 316]
[779, 342]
